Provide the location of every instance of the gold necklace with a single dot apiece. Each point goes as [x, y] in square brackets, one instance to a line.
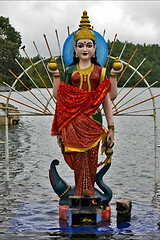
[84, 73]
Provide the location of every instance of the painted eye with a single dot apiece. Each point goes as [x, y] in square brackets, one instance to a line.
[89, 45]
[80, 46]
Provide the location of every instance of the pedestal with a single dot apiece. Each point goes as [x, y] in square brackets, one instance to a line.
[84, 210]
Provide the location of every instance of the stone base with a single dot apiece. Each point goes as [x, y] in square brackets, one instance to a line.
[124, 207]
[105, 214]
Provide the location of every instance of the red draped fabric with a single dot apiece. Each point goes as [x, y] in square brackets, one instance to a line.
[72, 101]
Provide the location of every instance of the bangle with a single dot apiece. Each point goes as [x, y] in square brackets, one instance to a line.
[113, 75]
[111, 127]
[56, 76]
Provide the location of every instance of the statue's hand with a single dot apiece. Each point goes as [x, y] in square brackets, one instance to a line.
[60, 143]
[59, 140]
[110, 136]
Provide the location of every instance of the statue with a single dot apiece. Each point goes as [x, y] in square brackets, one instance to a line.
[78, 121]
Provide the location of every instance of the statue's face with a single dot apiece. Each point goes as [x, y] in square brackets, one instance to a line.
[85, 49]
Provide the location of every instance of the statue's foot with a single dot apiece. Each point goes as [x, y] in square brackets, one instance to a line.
[86, 193]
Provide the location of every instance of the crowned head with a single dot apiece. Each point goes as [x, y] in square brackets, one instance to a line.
[84, 31]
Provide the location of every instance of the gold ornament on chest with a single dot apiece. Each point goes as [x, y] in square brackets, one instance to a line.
[85, 75]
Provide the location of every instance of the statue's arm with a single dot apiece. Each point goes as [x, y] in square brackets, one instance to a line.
[56, 83]
[113, 87]
[107, 106]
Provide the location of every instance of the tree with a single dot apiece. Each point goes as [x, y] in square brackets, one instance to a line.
[10, 41]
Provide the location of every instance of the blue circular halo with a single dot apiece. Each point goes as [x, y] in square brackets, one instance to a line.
[101, 49]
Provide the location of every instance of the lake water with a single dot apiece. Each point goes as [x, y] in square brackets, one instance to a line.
[28, 205]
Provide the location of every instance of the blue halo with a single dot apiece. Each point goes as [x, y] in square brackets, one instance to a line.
[101, 50]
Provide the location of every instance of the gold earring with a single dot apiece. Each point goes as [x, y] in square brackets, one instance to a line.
[94, 55]
[76, 55]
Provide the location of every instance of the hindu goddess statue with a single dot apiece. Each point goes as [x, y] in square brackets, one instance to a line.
[77, 121]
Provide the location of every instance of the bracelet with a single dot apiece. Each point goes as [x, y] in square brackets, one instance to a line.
[113, 75]
[111, 127]
[56, 76]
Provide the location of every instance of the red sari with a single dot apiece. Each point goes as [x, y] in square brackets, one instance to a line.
[81, 134]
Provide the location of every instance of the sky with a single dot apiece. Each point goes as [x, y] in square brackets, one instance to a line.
[133, 21]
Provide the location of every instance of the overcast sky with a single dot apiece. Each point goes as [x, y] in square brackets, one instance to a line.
[133, 21]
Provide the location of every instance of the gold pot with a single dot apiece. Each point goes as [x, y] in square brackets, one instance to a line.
[109, 152]
[117, 65]
[52, 65]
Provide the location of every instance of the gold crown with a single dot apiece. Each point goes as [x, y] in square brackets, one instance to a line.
[84, 31]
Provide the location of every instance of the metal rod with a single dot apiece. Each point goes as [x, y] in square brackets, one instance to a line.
[29, 90]
[22, 95]
[33, 82]
[137, 104]
[155, 149]
[104, 32]
[47, 45]
[127, 65]
[60, 49]
[38, 74]
[131, 75]
[43, 63]
[28, 113]
[111, 50]
[135, 115]
[19, 112]
[122, 50]
[132, 88]
[109, 58]
[141, 110]
[6, 146]
[24, 104]
[68, 30]
[137, 95]
[120, 58]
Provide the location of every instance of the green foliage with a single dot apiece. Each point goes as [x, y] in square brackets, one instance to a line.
[10, 41]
